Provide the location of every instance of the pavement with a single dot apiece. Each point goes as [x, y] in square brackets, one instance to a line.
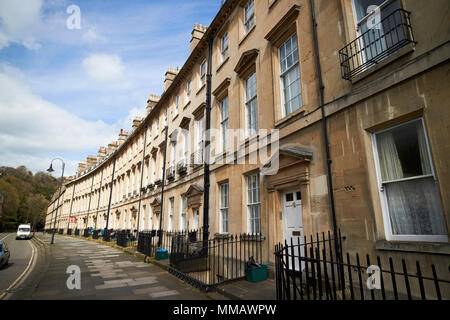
[108, 273]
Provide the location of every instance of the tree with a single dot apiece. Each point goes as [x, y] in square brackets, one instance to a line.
[9, 203]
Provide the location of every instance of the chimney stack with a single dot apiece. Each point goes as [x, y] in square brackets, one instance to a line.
[122, 136]
[101, 154]
[197, 34]
[113, 146]
[151, 102]
[170, 75]
[82, 165]
[136, 122]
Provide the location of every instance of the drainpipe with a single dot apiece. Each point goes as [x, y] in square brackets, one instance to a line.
[142, 177]
[206, 183]
[98, 202]
[326, 142]
[89, 204]
[163, 182]
[110, 195]
[324, 121]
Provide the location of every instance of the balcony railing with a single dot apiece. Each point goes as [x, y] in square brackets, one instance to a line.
[197, 158]
[380, 41]
[170, 172]
[182, 166]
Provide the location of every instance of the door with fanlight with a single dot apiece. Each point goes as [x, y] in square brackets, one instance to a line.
[293, 224]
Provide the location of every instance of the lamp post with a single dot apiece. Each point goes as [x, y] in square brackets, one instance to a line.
[59, 193]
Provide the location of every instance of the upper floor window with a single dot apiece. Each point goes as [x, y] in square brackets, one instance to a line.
[411, 203]
[249, 15]
[251, 106]
[224, 46]
[203, 73]
[200, 133]
[177, 102]
[224, 123]
[157, 125]
[188, 90]
[290, 75]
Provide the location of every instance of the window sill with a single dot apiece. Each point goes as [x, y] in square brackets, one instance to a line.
[294, 114]
[201, 88]
[187, 104]
[396, 55]
[175, 116]
[222, 64]
[246, 35]
[422, 247]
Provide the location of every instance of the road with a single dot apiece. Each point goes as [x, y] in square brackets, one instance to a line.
[21, 251]
[106, 273]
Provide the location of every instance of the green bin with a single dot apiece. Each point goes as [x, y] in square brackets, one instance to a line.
[256, 274]
[162, 254]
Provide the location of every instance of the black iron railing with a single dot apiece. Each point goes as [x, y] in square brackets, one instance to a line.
[376, 44]
[151, 240]
[170, 172]
[197, 158]
[182, 166]
[310, 269]
[86, 233]
[126, 238]
[77, 232]
[206, 264]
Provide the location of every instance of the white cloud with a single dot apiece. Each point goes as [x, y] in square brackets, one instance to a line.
[18, 22]
[32, 128]
[92, 35]
[104, 67]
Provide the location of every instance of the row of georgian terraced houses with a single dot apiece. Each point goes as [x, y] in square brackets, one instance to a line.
[358, 102]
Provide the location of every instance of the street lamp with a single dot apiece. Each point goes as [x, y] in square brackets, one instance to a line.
[59, 193]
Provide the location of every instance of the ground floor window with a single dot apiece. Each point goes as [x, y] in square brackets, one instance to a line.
[253, 204]
[224, 208]
[408, 187]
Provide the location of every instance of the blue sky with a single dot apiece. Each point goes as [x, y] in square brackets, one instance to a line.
[65, 92]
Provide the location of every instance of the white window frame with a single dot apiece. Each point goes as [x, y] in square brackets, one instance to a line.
[224, 44]
[202, 73]
[250, 205]
[224, 125]
[384, 202]
[183, 213]
[177, 102]
[188, 90]
[284, 74]
[224, 207]
[247, 25]
[248, 103]
[171, 209]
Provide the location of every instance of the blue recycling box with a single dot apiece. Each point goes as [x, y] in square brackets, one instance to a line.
[162, 254]
[256, 274]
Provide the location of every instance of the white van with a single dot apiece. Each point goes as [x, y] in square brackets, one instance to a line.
[24, 232]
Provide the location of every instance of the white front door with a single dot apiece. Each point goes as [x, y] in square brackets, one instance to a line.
[293, 223]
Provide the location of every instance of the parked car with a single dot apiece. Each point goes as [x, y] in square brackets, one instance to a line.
[23, 232]
[4, 254]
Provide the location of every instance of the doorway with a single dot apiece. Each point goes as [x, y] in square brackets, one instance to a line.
[293, 222]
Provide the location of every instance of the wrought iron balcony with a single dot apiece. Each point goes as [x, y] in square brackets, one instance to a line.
[376, 44]
[182, 166]
[197, 158]
[170, 172]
